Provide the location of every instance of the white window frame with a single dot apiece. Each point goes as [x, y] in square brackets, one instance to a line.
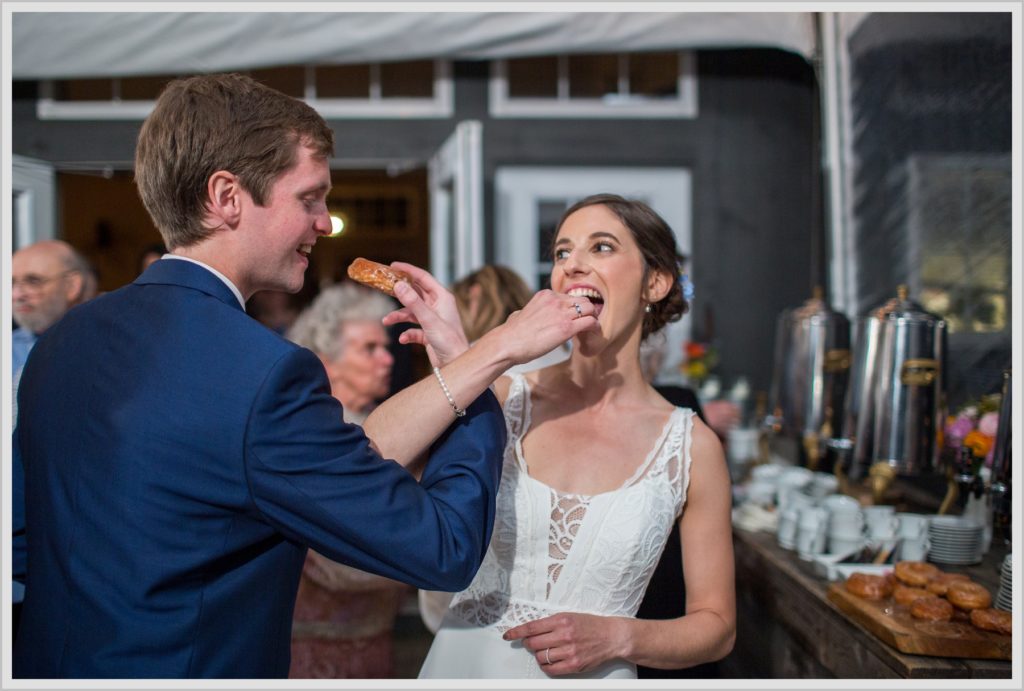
[34, 199]
[623, 105]
[455, 180]
[440, 105]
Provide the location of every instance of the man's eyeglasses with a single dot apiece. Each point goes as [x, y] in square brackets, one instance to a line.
[34, 283]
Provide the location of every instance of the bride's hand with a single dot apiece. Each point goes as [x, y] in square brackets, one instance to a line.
[571, 643]
[430, 307]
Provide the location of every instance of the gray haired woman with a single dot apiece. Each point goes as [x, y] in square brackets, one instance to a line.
[343, 616]
[343, 327]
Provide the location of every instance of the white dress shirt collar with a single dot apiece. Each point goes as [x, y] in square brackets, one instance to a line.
[218, 274]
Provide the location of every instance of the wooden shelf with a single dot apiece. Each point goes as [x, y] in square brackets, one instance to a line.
[787, 628]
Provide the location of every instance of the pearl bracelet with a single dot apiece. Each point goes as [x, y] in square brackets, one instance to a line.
[448, 394]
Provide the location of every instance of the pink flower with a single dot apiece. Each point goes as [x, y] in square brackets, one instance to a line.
[988, 424]
[959, 428]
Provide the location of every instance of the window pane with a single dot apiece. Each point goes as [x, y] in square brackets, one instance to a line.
[593, 76]
[342, 81]
[533, 77]
[653, 74]
[407, 79]
[143, 88]
[549, 211]
[290, 80]
[964, 226]
[84, 89]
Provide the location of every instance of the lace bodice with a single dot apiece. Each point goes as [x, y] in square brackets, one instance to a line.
[554, 552]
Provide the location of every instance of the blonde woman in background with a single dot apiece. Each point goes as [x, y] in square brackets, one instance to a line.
[486, 298]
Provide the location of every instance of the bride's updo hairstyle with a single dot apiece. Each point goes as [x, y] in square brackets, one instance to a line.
[657, 246]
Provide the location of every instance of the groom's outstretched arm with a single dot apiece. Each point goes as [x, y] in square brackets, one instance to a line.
[408, 422]
[319, 482]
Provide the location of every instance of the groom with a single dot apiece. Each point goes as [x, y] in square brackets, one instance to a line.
[179, 458]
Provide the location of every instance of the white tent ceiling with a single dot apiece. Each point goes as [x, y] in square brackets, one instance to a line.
[48, 45]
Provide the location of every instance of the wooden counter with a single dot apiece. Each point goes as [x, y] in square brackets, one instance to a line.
[788, 629]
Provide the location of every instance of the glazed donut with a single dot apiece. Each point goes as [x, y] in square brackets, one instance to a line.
[379, 276]
[993, 620]
[915, 573]
[940, 584]
[905, 595]
[868, 586]
[969, 595]
[931, 608]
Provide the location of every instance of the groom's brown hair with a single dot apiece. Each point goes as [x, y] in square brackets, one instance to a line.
[218, 122]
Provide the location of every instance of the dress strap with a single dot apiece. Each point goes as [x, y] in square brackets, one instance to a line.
[685, 460]
[515, 408]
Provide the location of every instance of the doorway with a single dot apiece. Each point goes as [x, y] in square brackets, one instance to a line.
[386, 217]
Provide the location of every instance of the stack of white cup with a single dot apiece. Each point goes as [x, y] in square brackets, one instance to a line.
[845, 524]
[791, 483]
[823, 484]
[913, 536]
[792, 502]
[812, 526]
[880, 523]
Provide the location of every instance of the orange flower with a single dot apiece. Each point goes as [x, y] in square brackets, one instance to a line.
[695, 350]
[978, 443]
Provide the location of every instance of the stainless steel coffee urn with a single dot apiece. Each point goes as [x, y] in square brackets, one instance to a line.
[854, 443]
[812, 360]
[909, 398]
[895, 403]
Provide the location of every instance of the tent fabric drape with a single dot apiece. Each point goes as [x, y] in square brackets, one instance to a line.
[54, 45]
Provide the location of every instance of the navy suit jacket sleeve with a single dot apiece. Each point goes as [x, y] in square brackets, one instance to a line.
[18, 545]
[320, 483]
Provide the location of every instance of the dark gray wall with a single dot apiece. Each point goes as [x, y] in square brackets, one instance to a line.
[753, 152]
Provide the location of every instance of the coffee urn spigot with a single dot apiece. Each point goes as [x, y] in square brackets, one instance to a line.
[882, 474]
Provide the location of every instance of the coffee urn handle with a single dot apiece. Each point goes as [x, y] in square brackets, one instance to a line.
[1002, 498]
[1001, 465]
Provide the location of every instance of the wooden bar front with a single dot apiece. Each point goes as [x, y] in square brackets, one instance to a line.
[788, 629]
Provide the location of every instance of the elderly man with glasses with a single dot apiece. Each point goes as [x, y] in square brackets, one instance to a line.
[47, 279]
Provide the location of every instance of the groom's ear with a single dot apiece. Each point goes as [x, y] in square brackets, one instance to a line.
[223, 200]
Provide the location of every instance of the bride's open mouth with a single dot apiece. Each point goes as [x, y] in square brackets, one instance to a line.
[591, 294]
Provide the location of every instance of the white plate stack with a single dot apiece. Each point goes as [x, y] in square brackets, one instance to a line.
[1004, 600]
[955, 540]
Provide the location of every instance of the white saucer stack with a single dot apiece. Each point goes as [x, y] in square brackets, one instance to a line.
[1004, 600]
[955, 540]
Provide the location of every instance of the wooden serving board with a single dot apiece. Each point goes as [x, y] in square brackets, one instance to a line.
[893, 624]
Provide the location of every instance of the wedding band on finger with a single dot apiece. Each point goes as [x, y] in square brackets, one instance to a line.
[579, 313]
[547, 651]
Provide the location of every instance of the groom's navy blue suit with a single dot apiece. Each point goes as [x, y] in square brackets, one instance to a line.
[179, 458]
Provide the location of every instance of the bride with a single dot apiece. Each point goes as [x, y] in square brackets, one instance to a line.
[597, 469]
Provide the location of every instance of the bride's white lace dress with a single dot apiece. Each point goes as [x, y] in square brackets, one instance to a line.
[552, 552]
